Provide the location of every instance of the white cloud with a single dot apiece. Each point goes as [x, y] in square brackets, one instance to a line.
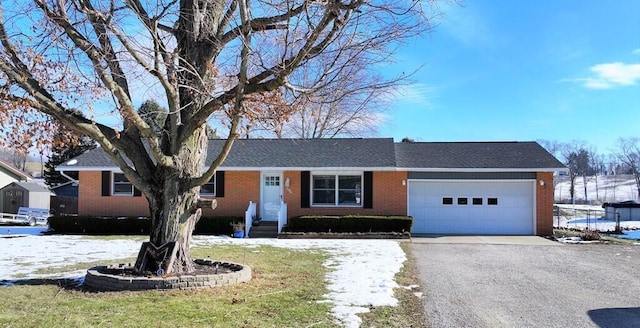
[416, 94]
[636, 51]
[468, 24]
[609, 75]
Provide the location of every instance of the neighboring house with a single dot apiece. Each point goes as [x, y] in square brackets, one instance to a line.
[23, 194]
[65, 198]
[449, 188]
[9, 174]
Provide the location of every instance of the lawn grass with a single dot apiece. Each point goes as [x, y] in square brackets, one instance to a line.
[284, 291]
[410, 311]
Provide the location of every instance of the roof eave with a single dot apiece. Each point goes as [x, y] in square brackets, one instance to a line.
[240, 168]
[492, 169]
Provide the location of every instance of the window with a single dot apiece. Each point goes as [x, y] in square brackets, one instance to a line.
[121, 185]
[337, 190]
[271, 181]
[462, 201]
[447, 201]
[209, 188]
[477, 201]
[492, 201]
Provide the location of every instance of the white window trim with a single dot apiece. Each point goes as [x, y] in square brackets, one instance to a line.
[113, 186]
[337, 190]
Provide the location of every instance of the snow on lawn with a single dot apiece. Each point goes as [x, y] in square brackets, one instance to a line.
[590, 217]
[610, 188]
[361, 271]
[23, 255]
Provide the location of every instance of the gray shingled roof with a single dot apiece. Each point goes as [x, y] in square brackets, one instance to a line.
[474, 155]
[30, 186]
[354, 152]
[283, 153]
[363, 153]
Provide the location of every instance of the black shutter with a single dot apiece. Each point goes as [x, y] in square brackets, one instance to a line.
[106, 183]
[305, 188]
[136, 192]
[219, 183]
[368, 190]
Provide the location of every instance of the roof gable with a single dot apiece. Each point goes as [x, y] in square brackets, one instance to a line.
[29, 186]
[14, 172]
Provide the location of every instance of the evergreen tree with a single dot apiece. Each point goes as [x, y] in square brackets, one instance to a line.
[66, 146]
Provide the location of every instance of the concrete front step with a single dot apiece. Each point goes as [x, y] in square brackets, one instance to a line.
[264, 230]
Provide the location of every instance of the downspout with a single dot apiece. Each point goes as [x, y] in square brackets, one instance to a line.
[74, 181]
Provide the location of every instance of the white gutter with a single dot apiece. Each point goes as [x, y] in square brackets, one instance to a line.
[74, 181]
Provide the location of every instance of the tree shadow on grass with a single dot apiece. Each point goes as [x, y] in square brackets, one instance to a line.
[616, 317]
[64, 283]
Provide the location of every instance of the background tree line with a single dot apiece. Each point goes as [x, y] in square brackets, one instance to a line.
[587, 163]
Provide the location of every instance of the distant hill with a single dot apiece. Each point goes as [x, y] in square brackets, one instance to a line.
[600, 189]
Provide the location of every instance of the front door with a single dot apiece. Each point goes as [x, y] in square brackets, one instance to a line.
[271, 196]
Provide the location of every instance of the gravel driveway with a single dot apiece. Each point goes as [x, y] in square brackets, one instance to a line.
[483, 285]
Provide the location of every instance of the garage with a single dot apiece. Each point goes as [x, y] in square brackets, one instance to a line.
[495, 207]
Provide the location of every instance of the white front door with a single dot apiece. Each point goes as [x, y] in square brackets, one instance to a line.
[271, 196]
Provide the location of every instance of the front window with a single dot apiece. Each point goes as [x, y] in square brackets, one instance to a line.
[209, 188]
[121, 185]
[337, 190]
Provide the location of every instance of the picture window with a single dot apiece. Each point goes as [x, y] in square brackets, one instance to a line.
[477, 201]
[462, 201]
[492, 201]
[447, 201]
[337, 190]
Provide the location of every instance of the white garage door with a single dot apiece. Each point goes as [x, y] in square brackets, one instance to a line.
[472, 207]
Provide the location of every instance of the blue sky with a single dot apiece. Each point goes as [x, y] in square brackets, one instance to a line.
[498, 70]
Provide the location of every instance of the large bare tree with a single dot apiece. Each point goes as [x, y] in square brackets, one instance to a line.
[201, 57]
[352, 103]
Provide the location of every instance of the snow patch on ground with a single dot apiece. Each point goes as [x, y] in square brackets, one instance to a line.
[361, 277]
[609, 188]
[590, 217]
[362, 273]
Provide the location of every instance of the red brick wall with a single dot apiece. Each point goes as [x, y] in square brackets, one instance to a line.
[240, 187]
[544, 204]
[92, 203]
[389, 197]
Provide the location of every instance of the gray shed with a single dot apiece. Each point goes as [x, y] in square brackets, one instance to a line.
[629, 210]
[23, 194]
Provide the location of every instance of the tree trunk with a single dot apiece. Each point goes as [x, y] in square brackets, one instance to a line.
[174, 212]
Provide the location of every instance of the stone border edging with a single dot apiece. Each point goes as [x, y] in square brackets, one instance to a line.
[94, 280]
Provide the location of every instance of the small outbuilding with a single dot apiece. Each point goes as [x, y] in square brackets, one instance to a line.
[23, 194]
[628, 211]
